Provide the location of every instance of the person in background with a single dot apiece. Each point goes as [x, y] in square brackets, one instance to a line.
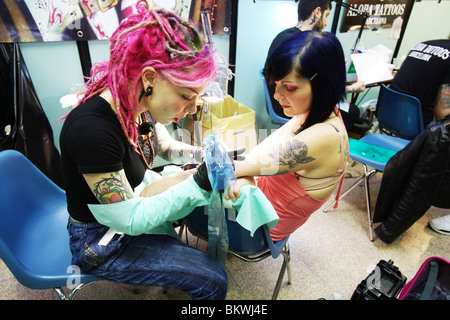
[425, 74]
[312, 15]
[158, 67]
[300, 165]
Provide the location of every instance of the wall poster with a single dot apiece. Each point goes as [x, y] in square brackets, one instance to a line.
[60, 20]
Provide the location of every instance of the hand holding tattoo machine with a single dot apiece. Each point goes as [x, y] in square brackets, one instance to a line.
[154, 215]
[140, 215]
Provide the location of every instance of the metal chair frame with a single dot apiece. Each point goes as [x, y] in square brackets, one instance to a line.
[271, 248]
[364, 179]
[414, 118]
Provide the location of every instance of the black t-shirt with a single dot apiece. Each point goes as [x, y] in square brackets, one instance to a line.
[92, 141]
[425, 69]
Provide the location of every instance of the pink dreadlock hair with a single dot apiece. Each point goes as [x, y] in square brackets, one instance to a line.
[151, 38]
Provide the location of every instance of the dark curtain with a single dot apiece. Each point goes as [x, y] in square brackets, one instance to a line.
[30, 131]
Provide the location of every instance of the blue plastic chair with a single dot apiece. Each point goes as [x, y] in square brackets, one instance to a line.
[276, 119]
[401, 115]
[34, 242]
[373, 150]
[243, 245]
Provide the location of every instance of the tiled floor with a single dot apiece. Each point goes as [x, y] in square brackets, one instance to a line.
[330, 255]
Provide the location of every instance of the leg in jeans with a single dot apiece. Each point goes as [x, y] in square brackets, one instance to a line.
[154, 260]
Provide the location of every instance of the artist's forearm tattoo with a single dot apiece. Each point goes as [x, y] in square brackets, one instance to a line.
[180, 153]
[177, 155]
[112, 189]
[174, 153]
[295, 152]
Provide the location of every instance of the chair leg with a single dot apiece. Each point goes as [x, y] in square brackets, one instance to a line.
[367, 176]
[288, 252]
[182, 227]
[285, 266]
[60, 293]
[365, 180]
[73, 292]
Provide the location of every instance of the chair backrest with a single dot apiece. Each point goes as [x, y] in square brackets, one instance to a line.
[269, 107]
[399, 113]
[33, 217]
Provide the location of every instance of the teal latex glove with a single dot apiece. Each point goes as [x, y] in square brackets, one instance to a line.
[152, 215]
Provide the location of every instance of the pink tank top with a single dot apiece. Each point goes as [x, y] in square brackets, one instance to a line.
[290, 200]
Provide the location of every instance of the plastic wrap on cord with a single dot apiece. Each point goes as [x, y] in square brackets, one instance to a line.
[218, 164]
[217, 228]
[220, 173]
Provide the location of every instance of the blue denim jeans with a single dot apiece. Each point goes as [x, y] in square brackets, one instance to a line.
[153, 260]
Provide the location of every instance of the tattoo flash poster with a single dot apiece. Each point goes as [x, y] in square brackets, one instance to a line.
[61, 20]
[381, 14]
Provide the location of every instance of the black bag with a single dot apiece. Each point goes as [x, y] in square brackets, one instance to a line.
[383, 283]
[29, 129]
[431, 282]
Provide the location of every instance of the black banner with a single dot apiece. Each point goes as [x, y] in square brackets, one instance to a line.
[380, 14]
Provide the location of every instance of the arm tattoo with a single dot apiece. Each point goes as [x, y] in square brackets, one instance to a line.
[294, 153]
[445, 97]
[175, 154]
[163, 152]
[112, 189]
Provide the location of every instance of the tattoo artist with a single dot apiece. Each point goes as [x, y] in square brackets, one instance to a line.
[158, 67]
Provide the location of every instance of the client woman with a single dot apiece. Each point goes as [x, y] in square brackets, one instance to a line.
[300, 165]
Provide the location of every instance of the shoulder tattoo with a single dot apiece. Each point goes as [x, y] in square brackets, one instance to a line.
[112, 189]
[295, 152]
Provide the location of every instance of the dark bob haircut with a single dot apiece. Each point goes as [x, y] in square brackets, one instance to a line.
[317, 56]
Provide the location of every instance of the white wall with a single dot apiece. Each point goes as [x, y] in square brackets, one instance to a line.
[258, 24]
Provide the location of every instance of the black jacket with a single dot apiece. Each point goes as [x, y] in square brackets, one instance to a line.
[414, 179]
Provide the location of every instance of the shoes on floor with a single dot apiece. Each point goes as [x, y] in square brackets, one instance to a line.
[441, 224]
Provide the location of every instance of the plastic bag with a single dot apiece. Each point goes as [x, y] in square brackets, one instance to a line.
[220, 170]
[220, 173]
